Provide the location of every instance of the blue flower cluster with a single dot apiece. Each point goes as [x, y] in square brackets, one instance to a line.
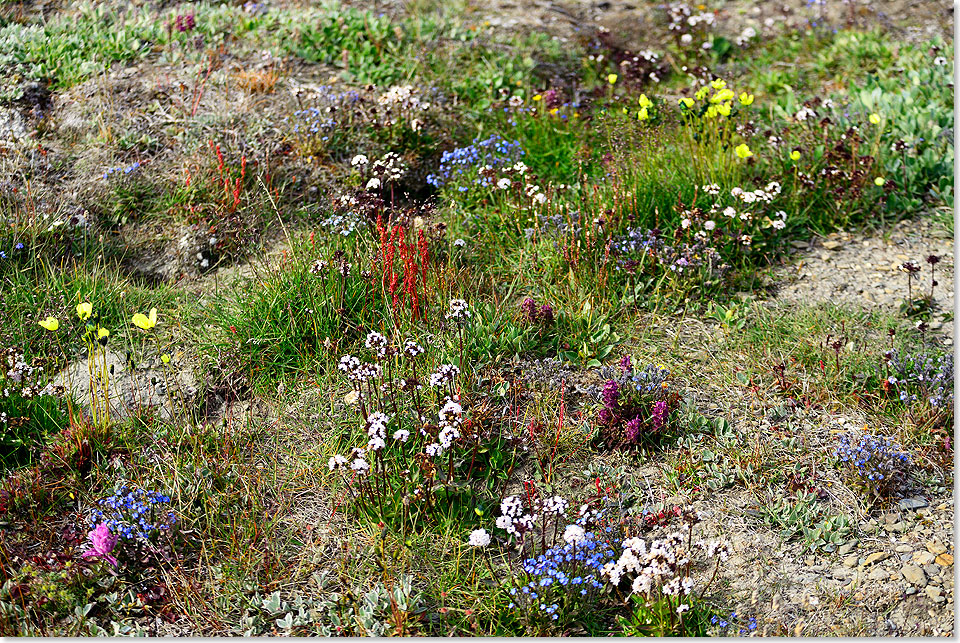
[125, 170]
[726, 625]
[876, 464]
[561, 575]
[494, 151]
[134, 514]
[921, 376]
[343, 224]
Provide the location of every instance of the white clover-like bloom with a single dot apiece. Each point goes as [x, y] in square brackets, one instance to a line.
[686, 39]
[433, 449]
[573, 534]
[459, 243]
[730, 212]
[504, 183]
[556, 505]
[479, 538]
[373, 184]
[540, 198]
[359, 159]
[683, 607]
[685, 223]
[779, 224]
[709, 225]
[459, 310]
[401, 434]
[376, 443]
[337, 462]
[361, 466]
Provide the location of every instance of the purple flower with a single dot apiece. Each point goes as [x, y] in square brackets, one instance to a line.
[546, 315]
[529, 309]
[626, 365]
[632, 430]
[611, 393]
[102, 543]
[659, 414]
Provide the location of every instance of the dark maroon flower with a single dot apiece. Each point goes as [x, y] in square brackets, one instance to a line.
[660, 411]
[611, 394]
[632, 431]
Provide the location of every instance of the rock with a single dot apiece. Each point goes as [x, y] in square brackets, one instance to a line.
[914, 575]
[932, 591]
[912, 503]
[850, 561]
[846, 548]
[944, 560]
[923, 558]
[901, 549]
[878, 574]
[911, 591]
[800, 245]
[936, 548]
[831, 245]
[876, 557]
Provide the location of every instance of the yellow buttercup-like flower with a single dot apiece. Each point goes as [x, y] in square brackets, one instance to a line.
[795, 155]
[165, 358]
[743, 151]
[723, 109]
[642, 115]
[686, 102]
[718, 83]
[875, 119]
[146, 323]
[84, 310]
[50, 323]
[702, 93]
[611, 78]
[537, 97]
[644, 101]
[879, 181]
[722, 96]
[711, 112]
[102, 332]
[746, 99]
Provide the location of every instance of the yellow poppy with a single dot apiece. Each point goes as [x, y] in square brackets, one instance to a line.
[686, 102]
[537, 97]
[644, 101]
[611, 78]
[102, 332]
[84, 310]
[50, 323]
[743, 151]
[875, 119]
[165, 358]
[642, 115]
[795, 155]
[746, 99]
[723, 109]
[718, 83]
[146, 323]
[879, 181]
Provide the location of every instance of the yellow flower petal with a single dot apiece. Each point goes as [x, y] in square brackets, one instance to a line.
[795, 155]
[611, 78]
[84, 310]
[743, 151]
[102, 332]
[50, 323]
[879, 181]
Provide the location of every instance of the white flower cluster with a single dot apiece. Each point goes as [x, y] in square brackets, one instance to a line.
[378, 344]
[377, 430]
[513, 519]
[357, 371]
[459, 311]
[445, 374]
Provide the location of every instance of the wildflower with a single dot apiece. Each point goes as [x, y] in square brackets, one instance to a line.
[573, 534]
[612, 78]
[146, 323]
[718, 83]
[875, 119]
[84, 310]
[337, 462]
[709, 225]
[50, 323]
[359, 159]
[879, 181]
[644, 101]
[746, 99]
[723, 109]
[459, 243]
[479, 538]
[103, 333]
[683, 607]
[795, 155]
[401, 434]
[373, 184]
[686, 102]
[702, 93]
[165, 358]
[102, 542]
[642, 115]
[504, 183]
[743, 151]
[537, 98]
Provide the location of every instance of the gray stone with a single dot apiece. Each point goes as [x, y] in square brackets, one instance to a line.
[846, 548]
[850, 561]
[878, 574]
[932, 591]
[912, 503]
[914, 575]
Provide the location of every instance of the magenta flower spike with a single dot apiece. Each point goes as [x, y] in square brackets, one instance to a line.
[102, 543]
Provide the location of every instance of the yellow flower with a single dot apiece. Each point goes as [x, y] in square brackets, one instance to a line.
[50, 323]
[724, 109]
[702, 93]
[718, 83]
[746, 99]
[875, 119]
[644, 101]
[642, 115]
[576, 114]
[165, 358]
[102, 332]
[537, 97]
[624, 110]
[146, 323]
[84, 310]
[795, 155]
[554, 110]
[711, 112]
[722, 95]
[612, 78]
[743, 151]
[879, 181]
[686, 102]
